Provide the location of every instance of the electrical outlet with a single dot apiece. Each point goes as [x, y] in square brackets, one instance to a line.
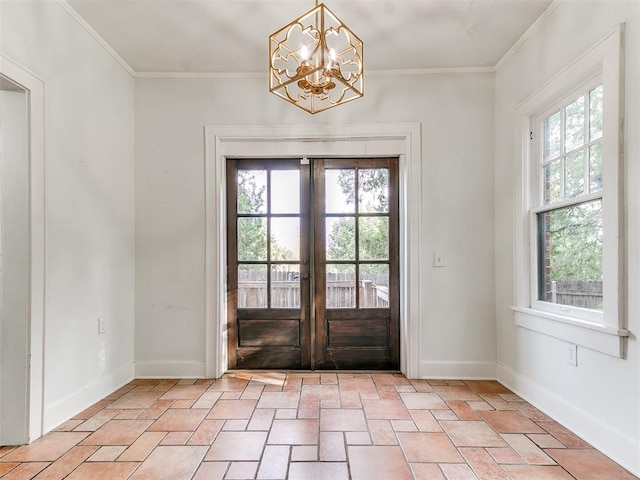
[438, 259]
[102, 326]
[572, 354]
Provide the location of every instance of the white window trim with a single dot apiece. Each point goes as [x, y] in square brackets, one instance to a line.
[608, 333]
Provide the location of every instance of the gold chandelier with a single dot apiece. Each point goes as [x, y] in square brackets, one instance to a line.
[316, 62]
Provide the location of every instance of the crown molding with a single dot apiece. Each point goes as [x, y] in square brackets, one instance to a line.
[96, 36]
[525, 36]
[430, 71]
[200, 74]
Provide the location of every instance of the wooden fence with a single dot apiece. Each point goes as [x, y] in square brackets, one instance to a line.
[374, 293]
[285, 290]
[577, 293]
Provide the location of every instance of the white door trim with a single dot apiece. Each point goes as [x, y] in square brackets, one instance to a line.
[401, 140]
[35, 104]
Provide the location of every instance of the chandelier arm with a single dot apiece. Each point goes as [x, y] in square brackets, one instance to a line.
[295, 78]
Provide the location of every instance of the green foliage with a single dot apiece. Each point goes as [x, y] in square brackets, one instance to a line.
[252, 231]
[341, 239]
[374, 231]
[374, 238]
[372, 196]
[575, 242]
[372, 188]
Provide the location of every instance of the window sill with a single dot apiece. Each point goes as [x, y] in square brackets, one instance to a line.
[601, 338]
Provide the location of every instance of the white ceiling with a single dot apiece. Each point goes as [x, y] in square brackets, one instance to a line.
[231, 36]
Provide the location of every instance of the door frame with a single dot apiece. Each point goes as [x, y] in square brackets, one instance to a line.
[389, 140]
[34, 88]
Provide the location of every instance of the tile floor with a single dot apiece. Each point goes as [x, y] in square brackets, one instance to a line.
[310, 426]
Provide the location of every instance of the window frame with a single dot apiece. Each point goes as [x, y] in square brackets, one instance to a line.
[539, 206]
[607, 332]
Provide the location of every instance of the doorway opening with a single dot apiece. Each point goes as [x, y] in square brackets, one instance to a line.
[312, 263]
[14, 264]
[23, 252]
[385, 140]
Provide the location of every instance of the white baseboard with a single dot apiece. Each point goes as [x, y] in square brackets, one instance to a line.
[458, 370]
[170, 369]
[617, 446]
[81, 399]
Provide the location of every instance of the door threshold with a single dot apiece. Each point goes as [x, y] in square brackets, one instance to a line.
[286, 372]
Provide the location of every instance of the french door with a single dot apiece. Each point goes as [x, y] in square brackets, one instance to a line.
[312, 262]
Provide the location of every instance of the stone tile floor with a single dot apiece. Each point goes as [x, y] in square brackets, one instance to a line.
[310, 426]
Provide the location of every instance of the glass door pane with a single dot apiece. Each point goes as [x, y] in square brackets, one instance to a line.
[355, 231]
[268, 231]
[252, 286]
[341, 286]
[284, 198]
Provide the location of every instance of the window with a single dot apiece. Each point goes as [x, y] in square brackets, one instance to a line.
[568, 208]
[569, 236]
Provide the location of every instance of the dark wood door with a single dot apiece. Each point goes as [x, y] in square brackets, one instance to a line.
[268, 264]
[312, 264]
[356, 264]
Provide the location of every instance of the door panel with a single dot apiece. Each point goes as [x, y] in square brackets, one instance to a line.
[256, 332]
[343, 332]
[313, 264]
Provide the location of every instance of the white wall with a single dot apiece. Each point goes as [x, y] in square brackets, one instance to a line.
[600, 398]
[89, 204]
[456, 113]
